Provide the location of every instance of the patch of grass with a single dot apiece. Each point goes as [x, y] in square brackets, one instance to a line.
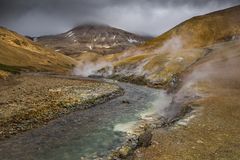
[140, 80]
[131, 60]
[156, 61]
[11, 69]
[18, 53]
[16, 41]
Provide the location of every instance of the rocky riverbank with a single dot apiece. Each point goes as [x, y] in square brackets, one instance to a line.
[207, 122]
[141, 134]
[212, 88]
[28, 102]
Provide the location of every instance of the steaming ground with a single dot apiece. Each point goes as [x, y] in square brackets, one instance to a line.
[160, 61]
[203, 54]
[136, 62]
[212, 88]
[87, 69]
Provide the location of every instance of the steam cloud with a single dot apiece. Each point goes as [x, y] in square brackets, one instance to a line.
[88, 68]
[161, 103]
[221, 69]
[172, 45]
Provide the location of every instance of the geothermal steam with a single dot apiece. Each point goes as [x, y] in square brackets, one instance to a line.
[161, 102]
[172, 45]
[88, 68]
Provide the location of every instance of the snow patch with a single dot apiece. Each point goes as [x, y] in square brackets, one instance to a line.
[35, 39]
[90, 47]
[69, 34]
[114, 37]
[106, 46]
[130, 40]
[103, 46]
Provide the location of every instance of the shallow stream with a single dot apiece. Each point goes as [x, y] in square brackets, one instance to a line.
[85, 134]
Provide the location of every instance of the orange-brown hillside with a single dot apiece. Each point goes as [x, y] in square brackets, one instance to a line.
[161, 60]
[204, 30]
[19, 53]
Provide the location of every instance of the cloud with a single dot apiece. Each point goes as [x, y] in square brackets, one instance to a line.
[151, 17]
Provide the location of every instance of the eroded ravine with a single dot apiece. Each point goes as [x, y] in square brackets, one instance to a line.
[86, 134]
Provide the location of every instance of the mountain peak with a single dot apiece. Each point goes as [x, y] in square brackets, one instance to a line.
[94, 38]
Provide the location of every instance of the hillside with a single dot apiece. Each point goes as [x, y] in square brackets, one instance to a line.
[188, 107]
[204, 30]
[211, 88]
[203, 53]
[160, 61]
[20, 53]
[100, 39]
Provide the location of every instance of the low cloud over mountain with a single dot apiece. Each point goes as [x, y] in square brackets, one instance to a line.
[150, 17]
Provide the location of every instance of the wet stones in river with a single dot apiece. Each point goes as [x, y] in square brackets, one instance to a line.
[125, 101]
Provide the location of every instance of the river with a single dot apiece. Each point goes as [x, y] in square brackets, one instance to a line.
[86, 134]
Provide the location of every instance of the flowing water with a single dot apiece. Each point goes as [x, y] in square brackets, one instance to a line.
[89, 133]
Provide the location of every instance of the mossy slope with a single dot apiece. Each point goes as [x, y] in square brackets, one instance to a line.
[20, 53]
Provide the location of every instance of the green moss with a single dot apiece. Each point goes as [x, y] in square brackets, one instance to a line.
[157, 61]
[139, 80]
[11, 69]
[131, 60]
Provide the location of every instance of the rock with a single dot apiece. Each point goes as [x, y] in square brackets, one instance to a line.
[126, 101]
[144, 139]
[124, 151]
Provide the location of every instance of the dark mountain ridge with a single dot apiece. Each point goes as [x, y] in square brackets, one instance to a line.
[100, 39]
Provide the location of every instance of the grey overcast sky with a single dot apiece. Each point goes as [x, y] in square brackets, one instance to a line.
[149, 17]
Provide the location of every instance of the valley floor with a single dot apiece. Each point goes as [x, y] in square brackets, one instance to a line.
[211, 87]
[214, 131]
[30, 101]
